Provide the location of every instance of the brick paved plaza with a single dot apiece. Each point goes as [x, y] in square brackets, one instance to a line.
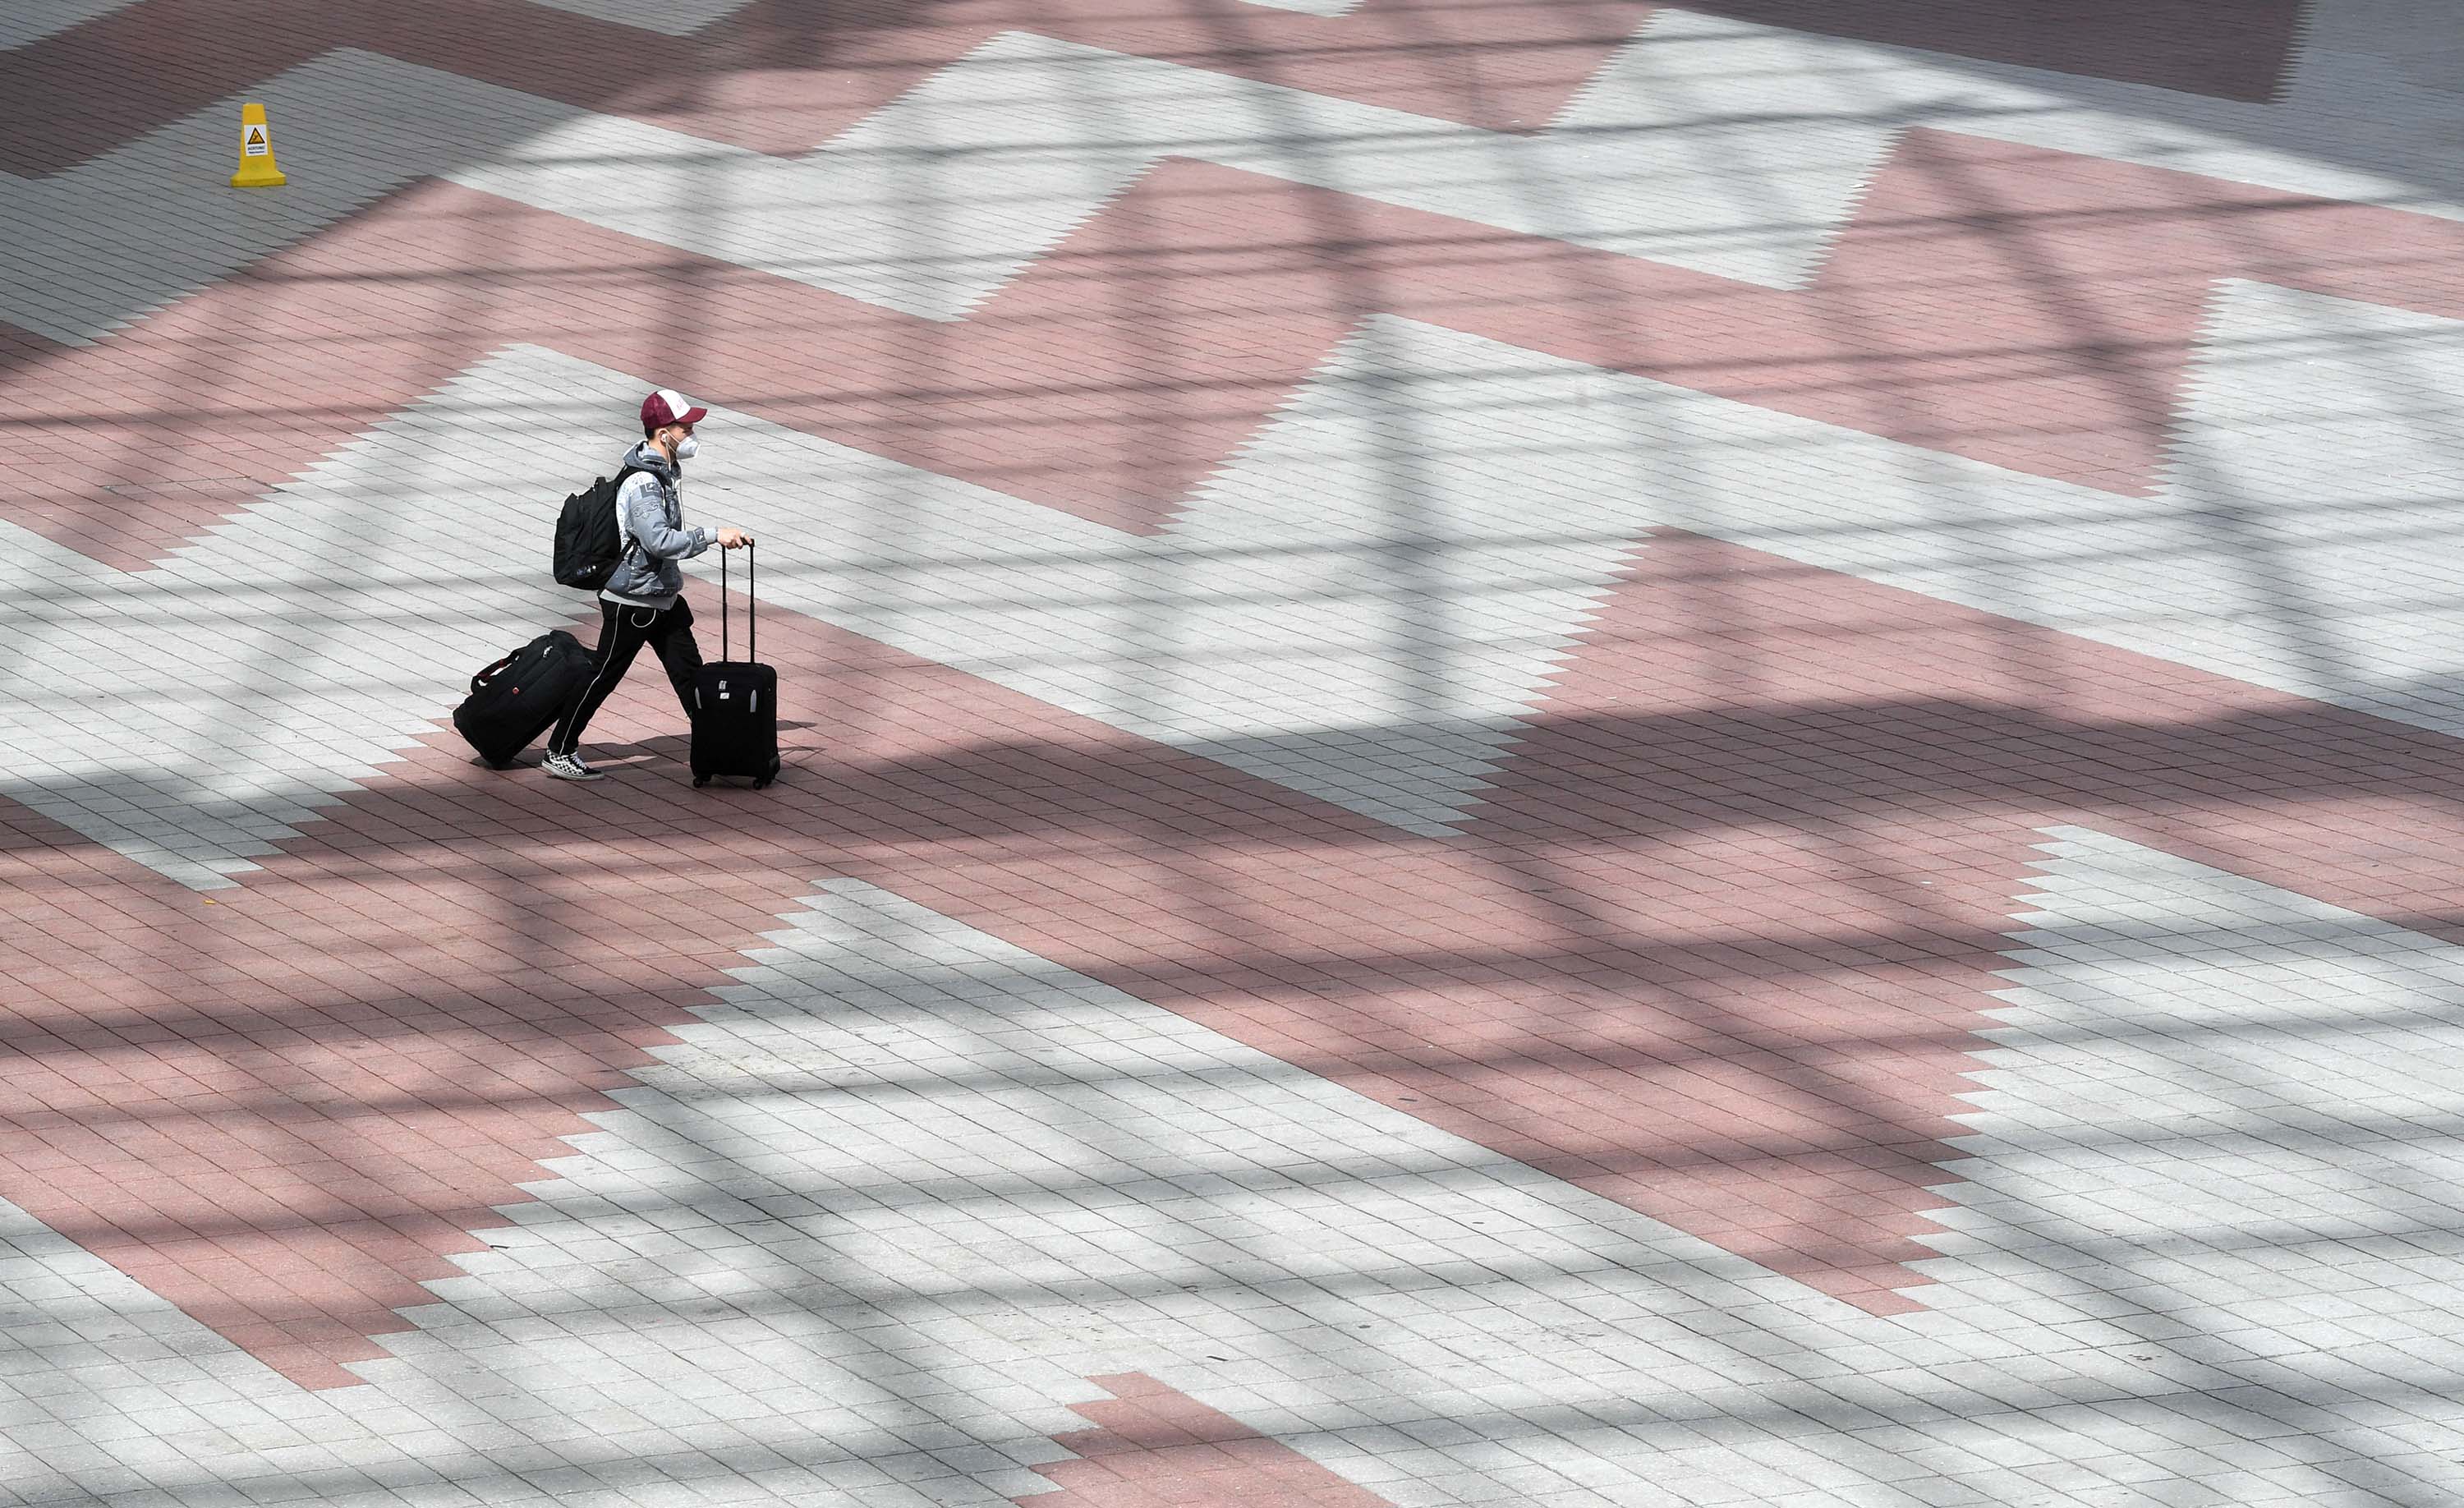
[1559, 753]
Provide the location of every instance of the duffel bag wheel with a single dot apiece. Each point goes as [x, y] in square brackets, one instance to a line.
[700, 780]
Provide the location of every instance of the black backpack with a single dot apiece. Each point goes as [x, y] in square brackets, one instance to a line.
[588, 543]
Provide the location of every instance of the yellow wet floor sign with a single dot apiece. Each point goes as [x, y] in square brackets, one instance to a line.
[257, 165]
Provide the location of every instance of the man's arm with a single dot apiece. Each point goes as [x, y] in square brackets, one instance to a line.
[645, 520]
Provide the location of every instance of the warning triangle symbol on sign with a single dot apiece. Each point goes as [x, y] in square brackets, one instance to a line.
[256, 136]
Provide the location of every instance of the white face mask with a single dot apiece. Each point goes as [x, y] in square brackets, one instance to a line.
[684, 448]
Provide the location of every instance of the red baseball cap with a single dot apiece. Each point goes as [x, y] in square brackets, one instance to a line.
[667, 406]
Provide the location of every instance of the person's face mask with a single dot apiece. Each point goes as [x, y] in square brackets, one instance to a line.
[684, 448]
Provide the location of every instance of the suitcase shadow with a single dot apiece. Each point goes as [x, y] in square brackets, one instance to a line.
[663, 748]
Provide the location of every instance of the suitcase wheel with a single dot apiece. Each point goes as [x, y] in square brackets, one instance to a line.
[700, 780]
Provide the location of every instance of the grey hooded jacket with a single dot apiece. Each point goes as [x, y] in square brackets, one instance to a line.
[650, 518]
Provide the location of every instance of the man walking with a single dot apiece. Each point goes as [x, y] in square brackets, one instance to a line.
[642, 602]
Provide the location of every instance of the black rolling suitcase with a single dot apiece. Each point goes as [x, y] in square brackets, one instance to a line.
[736, 702]
[517, 699]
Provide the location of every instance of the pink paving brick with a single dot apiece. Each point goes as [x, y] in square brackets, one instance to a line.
[1053, 391]
[1712, 948]
[782, 77]
[2024, 306]
[779, 77]
[1155, 1446]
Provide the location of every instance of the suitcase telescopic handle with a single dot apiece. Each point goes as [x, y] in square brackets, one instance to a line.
[752, 617]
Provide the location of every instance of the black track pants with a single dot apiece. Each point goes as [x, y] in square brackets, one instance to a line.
[623, 632]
